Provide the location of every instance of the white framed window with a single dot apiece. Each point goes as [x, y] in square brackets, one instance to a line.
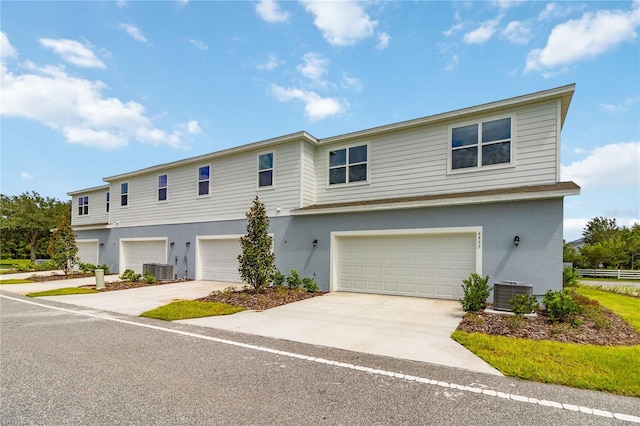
[83, 205]
[349, 165]
[266, 170]
[108, 200]
[163, 184]
[482, 144]
[203, 180]
[124, 194]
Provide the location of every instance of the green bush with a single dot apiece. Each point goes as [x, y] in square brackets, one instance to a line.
[49, 265]
[104, 267]
[130, 275]
[87, 267]
[149, 278]
[293, 280]
[569, 277]
[476, 291]
[561, 306]
[278, 278]
[522, 304]
[26, 267]
[309, 284]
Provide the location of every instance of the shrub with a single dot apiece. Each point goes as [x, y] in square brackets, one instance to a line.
[562, 307]
[293, 280]
[49, 265]
[278, 278]
[62, 246]
[256, 263]
[26, 267]
[476, 291]
[104, 267]
[569, 277]
[149, 278]
[87, 267]
[130, 275]
[522, 304]
[309, 284]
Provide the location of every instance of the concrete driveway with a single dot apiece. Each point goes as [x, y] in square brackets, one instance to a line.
[400, 327]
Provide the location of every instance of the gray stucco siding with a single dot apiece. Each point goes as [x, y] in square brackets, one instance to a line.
[537, 260]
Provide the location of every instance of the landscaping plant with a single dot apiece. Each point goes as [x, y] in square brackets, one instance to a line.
[130, 275]
[476, 291]
[278, 278]
[293, 280]
[561, 306]
[62, 246]
[309, 284]
[149, 278]
[257, 262]
[522, 304]
[569, 277]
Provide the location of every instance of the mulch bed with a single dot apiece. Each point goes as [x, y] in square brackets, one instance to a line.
[126, 285]
[269, 297]
[604, 328]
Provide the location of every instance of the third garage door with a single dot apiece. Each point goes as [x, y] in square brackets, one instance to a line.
[217, 259]
[407, 265]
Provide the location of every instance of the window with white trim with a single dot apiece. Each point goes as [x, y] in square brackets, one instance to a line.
[83, 205]
[265, 170]
[108, 202]
[481, 144]
[124, 194]
[348, 165]
[163, 181]
[203, 180]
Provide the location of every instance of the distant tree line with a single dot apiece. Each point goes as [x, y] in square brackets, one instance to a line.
[26, 223]
[606, 245]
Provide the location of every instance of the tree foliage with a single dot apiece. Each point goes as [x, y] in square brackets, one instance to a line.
[257, 262]
[599, 229]
[26, 221]
[62, 246]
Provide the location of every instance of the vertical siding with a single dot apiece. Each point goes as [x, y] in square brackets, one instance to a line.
[233, 185]
[414, 162]
[308, 175]
[97, 208]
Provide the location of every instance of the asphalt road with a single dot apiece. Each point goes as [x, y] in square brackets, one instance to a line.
[64, 365]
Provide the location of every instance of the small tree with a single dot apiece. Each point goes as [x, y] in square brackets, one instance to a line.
[257, 262]
[62, 246]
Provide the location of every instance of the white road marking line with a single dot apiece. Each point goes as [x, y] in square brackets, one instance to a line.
[487, 392]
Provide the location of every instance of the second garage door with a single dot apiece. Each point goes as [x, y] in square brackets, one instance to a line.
[408, 265]
[88, 251]
[135, 252]
[217, 259]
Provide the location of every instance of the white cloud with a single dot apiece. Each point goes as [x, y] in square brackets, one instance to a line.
[271, 63]
[270, 11]
[121, 3]
[588, 37]
[314, 67]
[134, 32]
[454, 29]
[193, 127]
[609, 165]
[483, 33]
[26, 176]
[383, 41]
[315, 106]
[183, 3]
[352, 83]
[342, 23]
[197, 43]
[6, 49]
[517, 32]
[453, 63]
[78, 109]
[574, 226]
[73, 52]
[625, 105]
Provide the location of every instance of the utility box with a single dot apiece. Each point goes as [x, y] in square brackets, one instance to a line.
[504, 291]
[99, 273]
[162, 272]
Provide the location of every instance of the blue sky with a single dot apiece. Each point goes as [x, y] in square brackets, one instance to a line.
[94, 89]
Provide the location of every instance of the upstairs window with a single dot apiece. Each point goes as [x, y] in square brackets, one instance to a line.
[162, 187]
[203, 180]
[265, 170]
[107, 202]
[124, 194]
[83, 205]
[348, 165]
[481, 144]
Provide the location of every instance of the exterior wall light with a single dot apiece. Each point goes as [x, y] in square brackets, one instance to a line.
[516, 241]
[171, 244]
[315, 242]
[187, 244]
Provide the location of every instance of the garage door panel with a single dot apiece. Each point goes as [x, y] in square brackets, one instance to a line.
[87, 251]
[218, 259]
[417, 265]
[136, 253]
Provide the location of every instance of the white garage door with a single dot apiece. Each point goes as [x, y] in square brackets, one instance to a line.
[88, 251]
[217, 259]
[134, 253]
[411, 265]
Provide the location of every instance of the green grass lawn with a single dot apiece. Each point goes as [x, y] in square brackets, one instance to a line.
[63, 291]
[609, 369]
[8, 263]
[15, 281]
[185, 309]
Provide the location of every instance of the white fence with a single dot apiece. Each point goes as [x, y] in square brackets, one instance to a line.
[610, 273]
